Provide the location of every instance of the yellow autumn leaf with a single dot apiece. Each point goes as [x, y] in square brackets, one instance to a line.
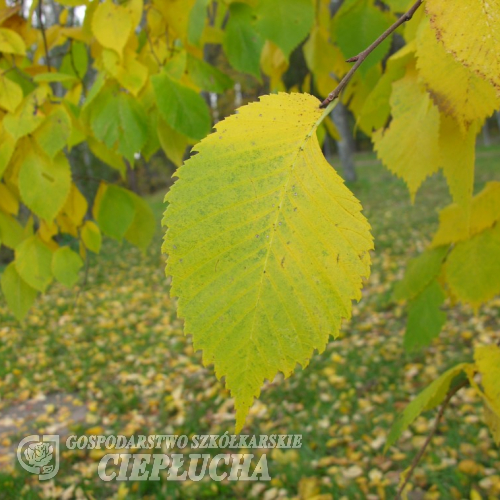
[487, 360]
[454, 223]
[112, 25]
[470, 30]
[409, 147]
[267, 247]
[11, 42]
[11, 94]
[455, 89]
[458, 155]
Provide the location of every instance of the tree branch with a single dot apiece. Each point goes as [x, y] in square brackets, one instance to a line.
[421, 452]
[42, 27]
[363, 55]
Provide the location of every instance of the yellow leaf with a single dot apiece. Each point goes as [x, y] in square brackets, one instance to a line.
[487, 360]
[11, 232]
[33, 263]
[409, 146]
[11, 42]
[44, 183]
[457, 159]
[129, 72]
[11, 94]
[18, 294]
[455, 89]
[176, 14]
[76, 206]
[454, 225]
[112, 25]
[91, 236]
[7, 146]
[266, 245]
[470, 30]
[8, 201]
[274, 63]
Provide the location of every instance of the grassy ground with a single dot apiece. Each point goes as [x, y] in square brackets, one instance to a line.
[112, 358]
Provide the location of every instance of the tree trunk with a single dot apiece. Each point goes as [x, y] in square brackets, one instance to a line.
[346, 146]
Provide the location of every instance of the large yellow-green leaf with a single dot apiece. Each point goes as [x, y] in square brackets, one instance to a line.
[455, 89]
[54, 132]
[114, 211]
[91, 236]
[409, 146]
[34, 263]
[11, 94]
[470, 30]
[11, 232]
[267, 247]
[11, 42]
[65, 266]
[18, 294]
[44, 183]
[473, 267]
[429, 398]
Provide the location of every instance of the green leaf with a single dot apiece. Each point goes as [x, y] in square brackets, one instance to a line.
[54, 133]
[143, 227]
[91, 236]
[473, 267]
[420, 272]
[44, 183]
[65, 266]
[34, 263]
[54, 77]
[206, 76]
[197, 21]
[11, 232]
[25, 120]
[133, 127]
[242, 43]
[356, 25]
[104, 116]
[75, 62]
[429, 398]
[181, 107]
[285, 22]
[7, 147]
[115, 212]
[18, 294]
[267, 247]
[425, 318]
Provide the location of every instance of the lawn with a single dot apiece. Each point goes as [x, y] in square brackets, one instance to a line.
[110, 357]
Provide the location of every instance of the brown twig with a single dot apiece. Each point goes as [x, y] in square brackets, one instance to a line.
[42, 28]
[421, 452]
[363, 55]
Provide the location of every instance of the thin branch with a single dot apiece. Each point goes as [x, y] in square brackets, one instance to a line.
[42, 27]
[421, 452]
[363, 55]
